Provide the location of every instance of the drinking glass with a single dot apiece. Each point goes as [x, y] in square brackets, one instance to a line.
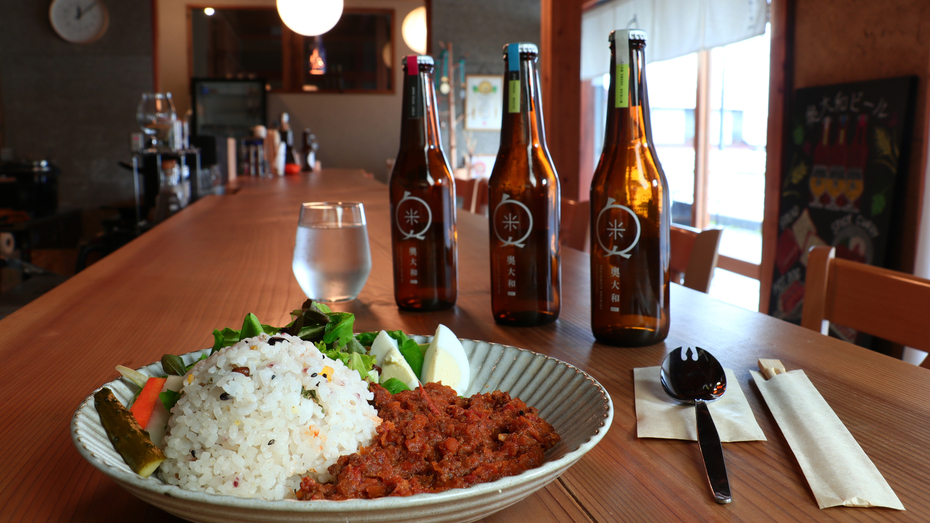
[156, 116]
[331, 256]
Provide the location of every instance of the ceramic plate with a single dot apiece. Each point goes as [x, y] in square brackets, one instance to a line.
[572, 401]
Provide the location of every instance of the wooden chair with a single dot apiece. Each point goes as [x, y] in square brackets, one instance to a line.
[881, 302]
[694, 256]
[576, 220]
[472, 195]
[464, 193]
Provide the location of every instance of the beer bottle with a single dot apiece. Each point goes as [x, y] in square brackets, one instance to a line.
[422, 200]
[630, 211]
[523, 203]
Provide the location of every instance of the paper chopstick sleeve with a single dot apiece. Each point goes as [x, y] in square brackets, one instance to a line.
[837, 469]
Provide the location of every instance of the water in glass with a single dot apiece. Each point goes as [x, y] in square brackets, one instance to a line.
[332, 259]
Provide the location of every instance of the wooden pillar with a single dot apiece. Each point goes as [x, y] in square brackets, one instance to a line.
[700, 217]
[560, 78]
[781, 81]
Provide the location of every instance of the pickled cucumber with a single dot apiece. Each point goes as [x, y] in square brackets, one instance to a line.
[128, 438]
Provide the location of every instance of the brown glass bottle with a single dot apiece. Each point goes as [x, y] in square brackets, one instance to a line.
[523, 203]
[422, 191]
[630, 211]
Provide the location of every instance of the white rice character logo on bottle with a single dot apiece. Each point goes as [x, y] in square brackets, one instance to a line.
[617, 229]
[413, 217]
[512, 219]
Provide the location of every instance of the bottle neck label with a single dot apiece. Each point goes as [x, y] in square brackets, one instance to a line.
[622, 73]
[413, 217]
[617, 228]
[513, 78]
[513, 222]
[413, 97]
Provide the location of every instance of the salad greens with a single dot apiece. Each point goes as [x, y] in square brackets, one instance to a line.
[408, 347]
[331, 332]
[168, 398]
[394, 385]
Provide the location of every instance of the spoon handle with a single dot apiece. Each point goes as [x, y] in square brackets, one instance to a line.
[712, 453]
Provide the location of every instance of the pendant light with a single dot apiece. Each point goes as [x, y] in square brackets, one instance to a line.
[310, 17]
[414, 30]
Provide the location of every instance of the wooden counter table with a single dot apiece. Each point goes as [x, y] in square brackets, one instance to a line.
[225, 256]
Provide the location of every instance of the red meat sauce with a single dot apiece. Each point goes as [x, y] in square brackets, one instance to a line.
[435, 444]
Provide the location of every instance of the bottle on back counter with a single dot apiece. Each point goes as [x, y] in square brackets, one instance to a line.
[630, 211]
[291, 161]
[524, 203]
[422, 200]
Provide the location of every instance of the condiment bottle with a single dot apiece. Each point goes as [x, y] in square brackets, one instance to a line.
[630, 211]
[523, 203]
[422, 191]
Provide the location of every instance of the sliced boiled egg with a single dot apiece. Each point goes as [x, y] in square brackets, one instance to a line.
[445, 361]
[392, 362]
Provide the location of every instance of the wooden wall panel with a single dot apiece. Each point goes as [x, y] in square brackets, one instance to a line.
[560, 70]
[781, 72]
[839, 41]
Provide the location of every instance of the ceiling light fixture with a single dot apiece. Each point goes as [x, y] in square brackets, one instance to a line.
[310, 17]
[414, 30]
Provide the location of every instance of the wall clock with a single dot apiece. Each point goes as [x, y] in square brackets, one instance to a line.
[79, 21]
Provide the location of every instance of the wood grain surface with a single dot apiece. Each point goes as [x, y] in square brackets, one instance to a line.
[225, 256]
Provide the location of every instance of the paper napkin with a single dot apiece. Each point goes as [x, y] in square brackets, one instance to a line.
[659, 416]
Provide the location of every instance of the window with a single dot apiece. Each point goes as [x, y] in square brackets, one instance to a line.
[715, 165]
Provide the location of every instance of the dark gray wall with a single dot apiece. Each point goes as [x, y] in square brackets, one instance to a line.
[75, 104]
[479, 29]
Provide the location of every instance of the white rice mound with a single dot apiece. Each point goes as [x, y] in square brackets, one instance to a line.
[265, 435]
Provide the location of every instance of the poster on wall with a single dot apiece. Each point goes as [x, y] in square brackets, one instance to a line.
[484, 103]
[846, 152]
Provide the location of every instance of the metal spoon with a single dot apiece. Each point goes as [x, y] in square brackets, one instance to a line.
[697, 377]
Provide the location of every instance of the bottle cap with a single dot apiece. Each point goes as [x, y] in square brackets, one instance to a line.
[630, 34]
[420, 58]
[522, 47]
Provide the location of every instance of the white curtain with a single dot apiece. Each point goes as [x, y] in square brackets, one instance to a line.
[673, 27]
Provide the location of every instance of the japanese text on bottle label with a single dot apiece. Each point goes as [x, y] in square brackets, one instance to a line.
[411, 265]
[622, 54]
[413, 100]
[513, 78]
[513, 93]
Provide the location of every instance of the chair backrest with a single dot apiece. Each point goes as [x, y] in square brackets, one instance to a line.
[885, 303]
[465, 193]
[479, 204]
[576, 219]
[694, 256]
[472, 195]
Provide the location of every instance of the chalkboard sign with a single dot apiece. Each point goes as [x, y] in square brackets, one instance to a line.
[846, 152]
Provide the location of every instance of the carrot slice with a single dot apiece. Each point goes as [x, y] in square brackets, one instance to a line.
[144, 405]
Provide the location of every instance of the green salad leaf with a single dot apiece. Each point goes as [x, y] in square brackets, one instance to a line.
[172, 364]
[338, 331]
[366, 338]
[251, 327]
[169, 398]
[410, 349]
[362, 363]
[394, 385]
[224, 338]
